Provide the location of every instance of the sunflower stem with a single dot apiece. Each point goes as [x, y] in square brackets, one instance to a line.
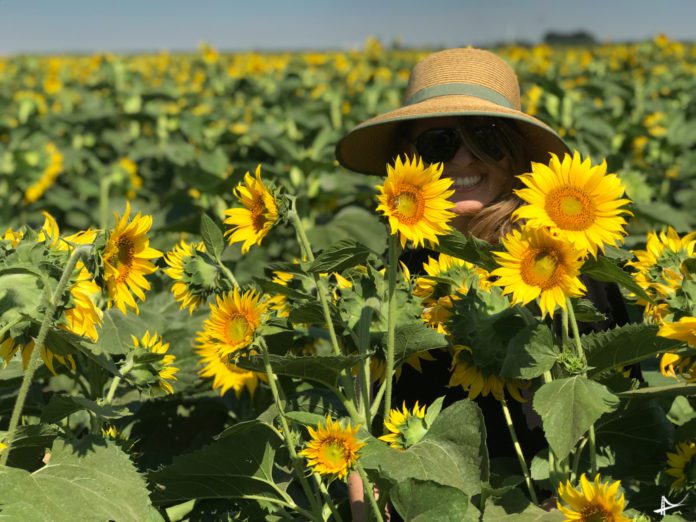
[378, 398]
[327, 497]
[576, 460]
[8, 327]
[576, 331]
[518, 450]
[564, 326]
[323, 291]
[553, 472]
[364, 345]
[228, 273]
[289, 436]
[33, 363]
[581, 355]
[593, 451]
[392, 268]
[117, 380]
[369, 492]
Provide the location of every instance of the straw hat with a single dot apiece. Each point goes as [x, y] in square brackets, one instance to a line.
[454, 82]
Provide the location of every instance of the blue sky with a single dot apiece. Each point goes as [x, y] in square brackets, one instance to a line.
[132, 25]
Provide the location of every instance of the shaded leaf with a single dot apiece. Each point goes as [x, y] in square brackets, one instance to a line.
[468, 248]
[530, 353]
[212, 236]
[237, 465]
[60, 406]
[90, 480]
[425, 501]
[339, 257]
[605, 270]
[568, 407]
[452, 453]
[623, 346]
[320, 368]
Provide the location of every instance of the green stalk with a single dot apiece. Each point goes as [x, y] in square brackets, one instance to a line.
[576, 331]
[327, 497]
[323, 291]
[364, 345]
[553, 472]
[576, 460]
[392, 268]
[378, 398]
[228, 273]
[581, 355]
[117, 380]
[38, 347]
[369, 492]
[564, 325]
[518, 450]
[289, 436]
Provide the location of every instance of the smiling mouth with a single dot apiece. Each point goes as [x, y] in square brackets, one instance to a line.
[468, 182]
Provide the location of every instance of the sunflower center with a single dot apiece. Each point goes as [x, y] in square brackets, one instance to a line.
[122, 259]
[333, 453]
[407, 205]
[595, 513]
[258, 216]
[540, 268]
[570, 208]
[238, 328]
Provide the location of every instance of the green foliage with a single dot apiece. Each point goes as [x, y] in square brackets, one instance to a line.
[340, 256]
[422, 501]
[452, 453]
[248, 450]
[568, 407]
[88, 480]
[212, 236]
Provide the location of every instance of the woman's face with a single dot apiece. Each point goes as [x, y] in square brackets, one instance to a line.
[477, 183]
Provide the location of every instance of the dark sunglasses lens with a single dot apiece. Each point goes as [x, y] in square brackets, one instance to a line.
[438, 145]
[488, 138]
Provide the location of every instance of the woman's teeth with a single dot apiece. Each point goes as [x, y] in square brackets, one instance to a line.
[466, 182]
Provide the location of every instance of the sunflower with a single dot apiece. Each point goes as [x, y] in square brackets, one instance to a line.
[683, 330]
[279, 302]
[477, 380]
[165, 370]
[660, 266]
[54, 166]
[9, 347]
[414, 199]
[185, 292]
[437, 308]
[332, 449]
[682, 465]
[378, 365]
[226, 375]
[233, 321]
[579, 202]
[592, 501]
[251, 223]
[127, 259]
[406, 427]
[538, 265]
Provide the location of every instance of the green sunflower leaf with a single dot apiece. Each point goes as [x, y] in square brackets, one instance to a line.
[568, 407]
[339, 257]
[468, 248]
[60, 406]
[530, 353]
[426, 501]
[239, 464]
[212, 236]
[319, 368]
[91, 479]
[623, 346]
[453, 452]
[605, 270]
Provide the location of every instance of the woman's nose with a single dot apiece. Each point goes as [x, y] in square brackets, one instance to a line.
[464, 157]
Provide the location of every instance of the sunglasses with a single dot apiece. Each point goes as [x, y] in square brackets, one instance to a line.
[441, 145]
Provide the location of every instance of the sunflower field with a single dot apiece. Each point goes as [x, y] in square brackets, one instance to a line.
[204, 317]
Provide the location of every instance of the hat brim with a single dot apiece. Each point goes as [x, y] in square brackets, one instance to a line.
[372, 144]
